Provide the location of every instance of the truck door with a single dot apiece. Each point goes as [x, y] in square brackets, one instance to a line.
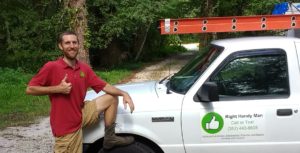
[256, 110]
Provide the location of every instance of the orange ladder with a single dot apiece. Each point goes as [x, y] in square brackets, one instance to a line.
[229, 24]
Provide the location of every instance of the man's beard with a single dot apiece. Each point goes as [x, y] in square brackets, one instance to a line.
[70, 57]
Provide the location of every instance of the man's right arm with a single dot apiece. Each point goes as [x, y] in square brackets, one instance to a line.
[63, 88]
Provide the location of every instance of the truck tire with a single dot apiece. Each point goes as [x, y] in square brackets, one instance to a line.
[136, 147]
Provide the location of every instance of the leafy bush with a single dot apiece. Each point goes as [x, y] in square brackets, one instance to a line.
[163, 52]
[13, 77]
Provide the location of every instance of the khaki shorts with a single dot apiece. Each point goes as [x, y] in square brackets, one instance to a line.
[72, 143]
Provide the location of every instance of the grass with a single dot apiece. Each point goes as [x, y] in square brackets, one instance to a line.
[118, 74]
[17, 108]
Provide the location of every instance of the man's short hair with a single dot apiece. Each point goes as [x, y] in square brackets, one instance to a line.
[60, 37]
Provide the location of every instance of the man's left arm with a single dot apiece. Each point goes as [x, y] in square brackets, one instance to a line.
[109, 89]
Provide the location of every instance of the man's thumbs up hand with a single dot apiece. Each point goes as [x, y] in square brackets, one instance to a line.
[65, 87]
[65, 78]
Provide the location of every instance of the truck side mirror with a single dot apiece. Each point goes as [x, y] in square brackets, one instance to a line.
[207, 93]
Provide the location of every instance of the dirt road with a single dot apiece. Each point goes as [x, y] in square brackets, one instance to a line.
[37, 138]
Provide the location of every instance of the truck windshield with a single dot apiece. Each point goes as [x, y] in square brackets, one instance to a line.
[186, 77]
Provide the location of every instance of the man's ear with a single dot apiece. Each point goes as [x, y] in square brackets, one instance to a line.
[59, 46]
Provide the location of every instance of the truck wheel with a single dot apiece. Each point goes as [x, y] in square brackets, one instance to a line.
[136, 147]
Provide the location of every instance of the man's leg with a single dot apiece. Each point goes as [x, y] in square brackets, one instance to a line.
[69, 143]
[72, 143]
[109, 104]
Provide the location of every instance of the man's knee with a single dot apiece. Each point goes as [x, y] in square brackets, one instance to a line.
[113, 99]
[105, 101]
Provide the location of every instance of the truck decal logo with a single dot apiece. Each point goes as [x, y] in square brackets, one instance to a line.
[212, 123]
[162, 119]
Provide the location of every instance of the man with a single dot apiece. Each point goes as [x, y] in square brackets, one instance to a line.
[66, 81]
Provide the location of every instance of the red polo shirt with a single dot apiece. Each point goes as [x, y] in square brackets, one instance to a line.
[65, 115]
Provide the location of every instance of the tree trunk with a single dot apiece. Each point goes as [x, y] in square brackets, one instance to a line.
[141, 38]
[79, 25]
[8, 37]
[207, 12]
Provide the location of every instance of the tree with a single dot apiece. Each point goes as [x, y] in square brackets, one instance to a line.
[115, 29]
[121, 27]
[27, 33]
[218, 8]
[78, 23]
[207, 11]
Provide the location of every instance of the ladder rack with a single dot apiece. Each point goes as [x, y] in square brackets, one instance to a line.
[229, 24]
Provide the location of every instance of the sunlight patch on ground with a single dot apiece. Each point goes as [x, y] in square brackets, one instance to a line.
[191, 46]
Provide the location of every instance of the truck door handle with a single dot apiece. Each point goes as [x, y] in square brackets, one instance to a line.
[284, 112]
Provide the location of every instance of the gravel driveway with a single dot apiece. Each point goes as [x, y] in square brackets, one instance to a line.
[37, 138]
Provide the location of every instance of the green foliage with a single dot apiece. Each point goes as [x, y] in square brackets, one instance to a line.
[173, 49]
[257, 7]
[13, 77]
[113, 76]
[218, 8]
[244, 7]
[173, 39]
[28, 29]
[29, 61]
[120, 19]
[189, 38]
[197, 8]
[29, 33]
[119, 73]
[164, 52]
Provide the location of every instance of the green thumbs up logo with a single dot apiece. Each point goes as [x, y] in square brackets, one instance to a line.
[212, 123]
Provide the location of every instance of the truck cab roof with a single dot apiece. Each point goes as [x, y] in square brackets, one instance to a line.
[248, 43]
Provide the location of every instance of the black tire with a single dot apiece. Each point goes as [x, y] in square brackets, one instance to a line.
[136, 147]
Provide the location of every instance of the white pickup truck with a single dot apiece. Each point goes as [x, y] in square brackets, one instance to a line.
[239, 96]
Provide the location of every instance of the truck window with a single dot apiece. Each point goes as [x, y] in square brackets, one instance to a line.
[186, 77]
[253, 73]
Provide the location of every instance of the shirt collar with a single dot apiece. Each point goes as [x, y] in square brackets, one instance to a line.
[65, 65]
